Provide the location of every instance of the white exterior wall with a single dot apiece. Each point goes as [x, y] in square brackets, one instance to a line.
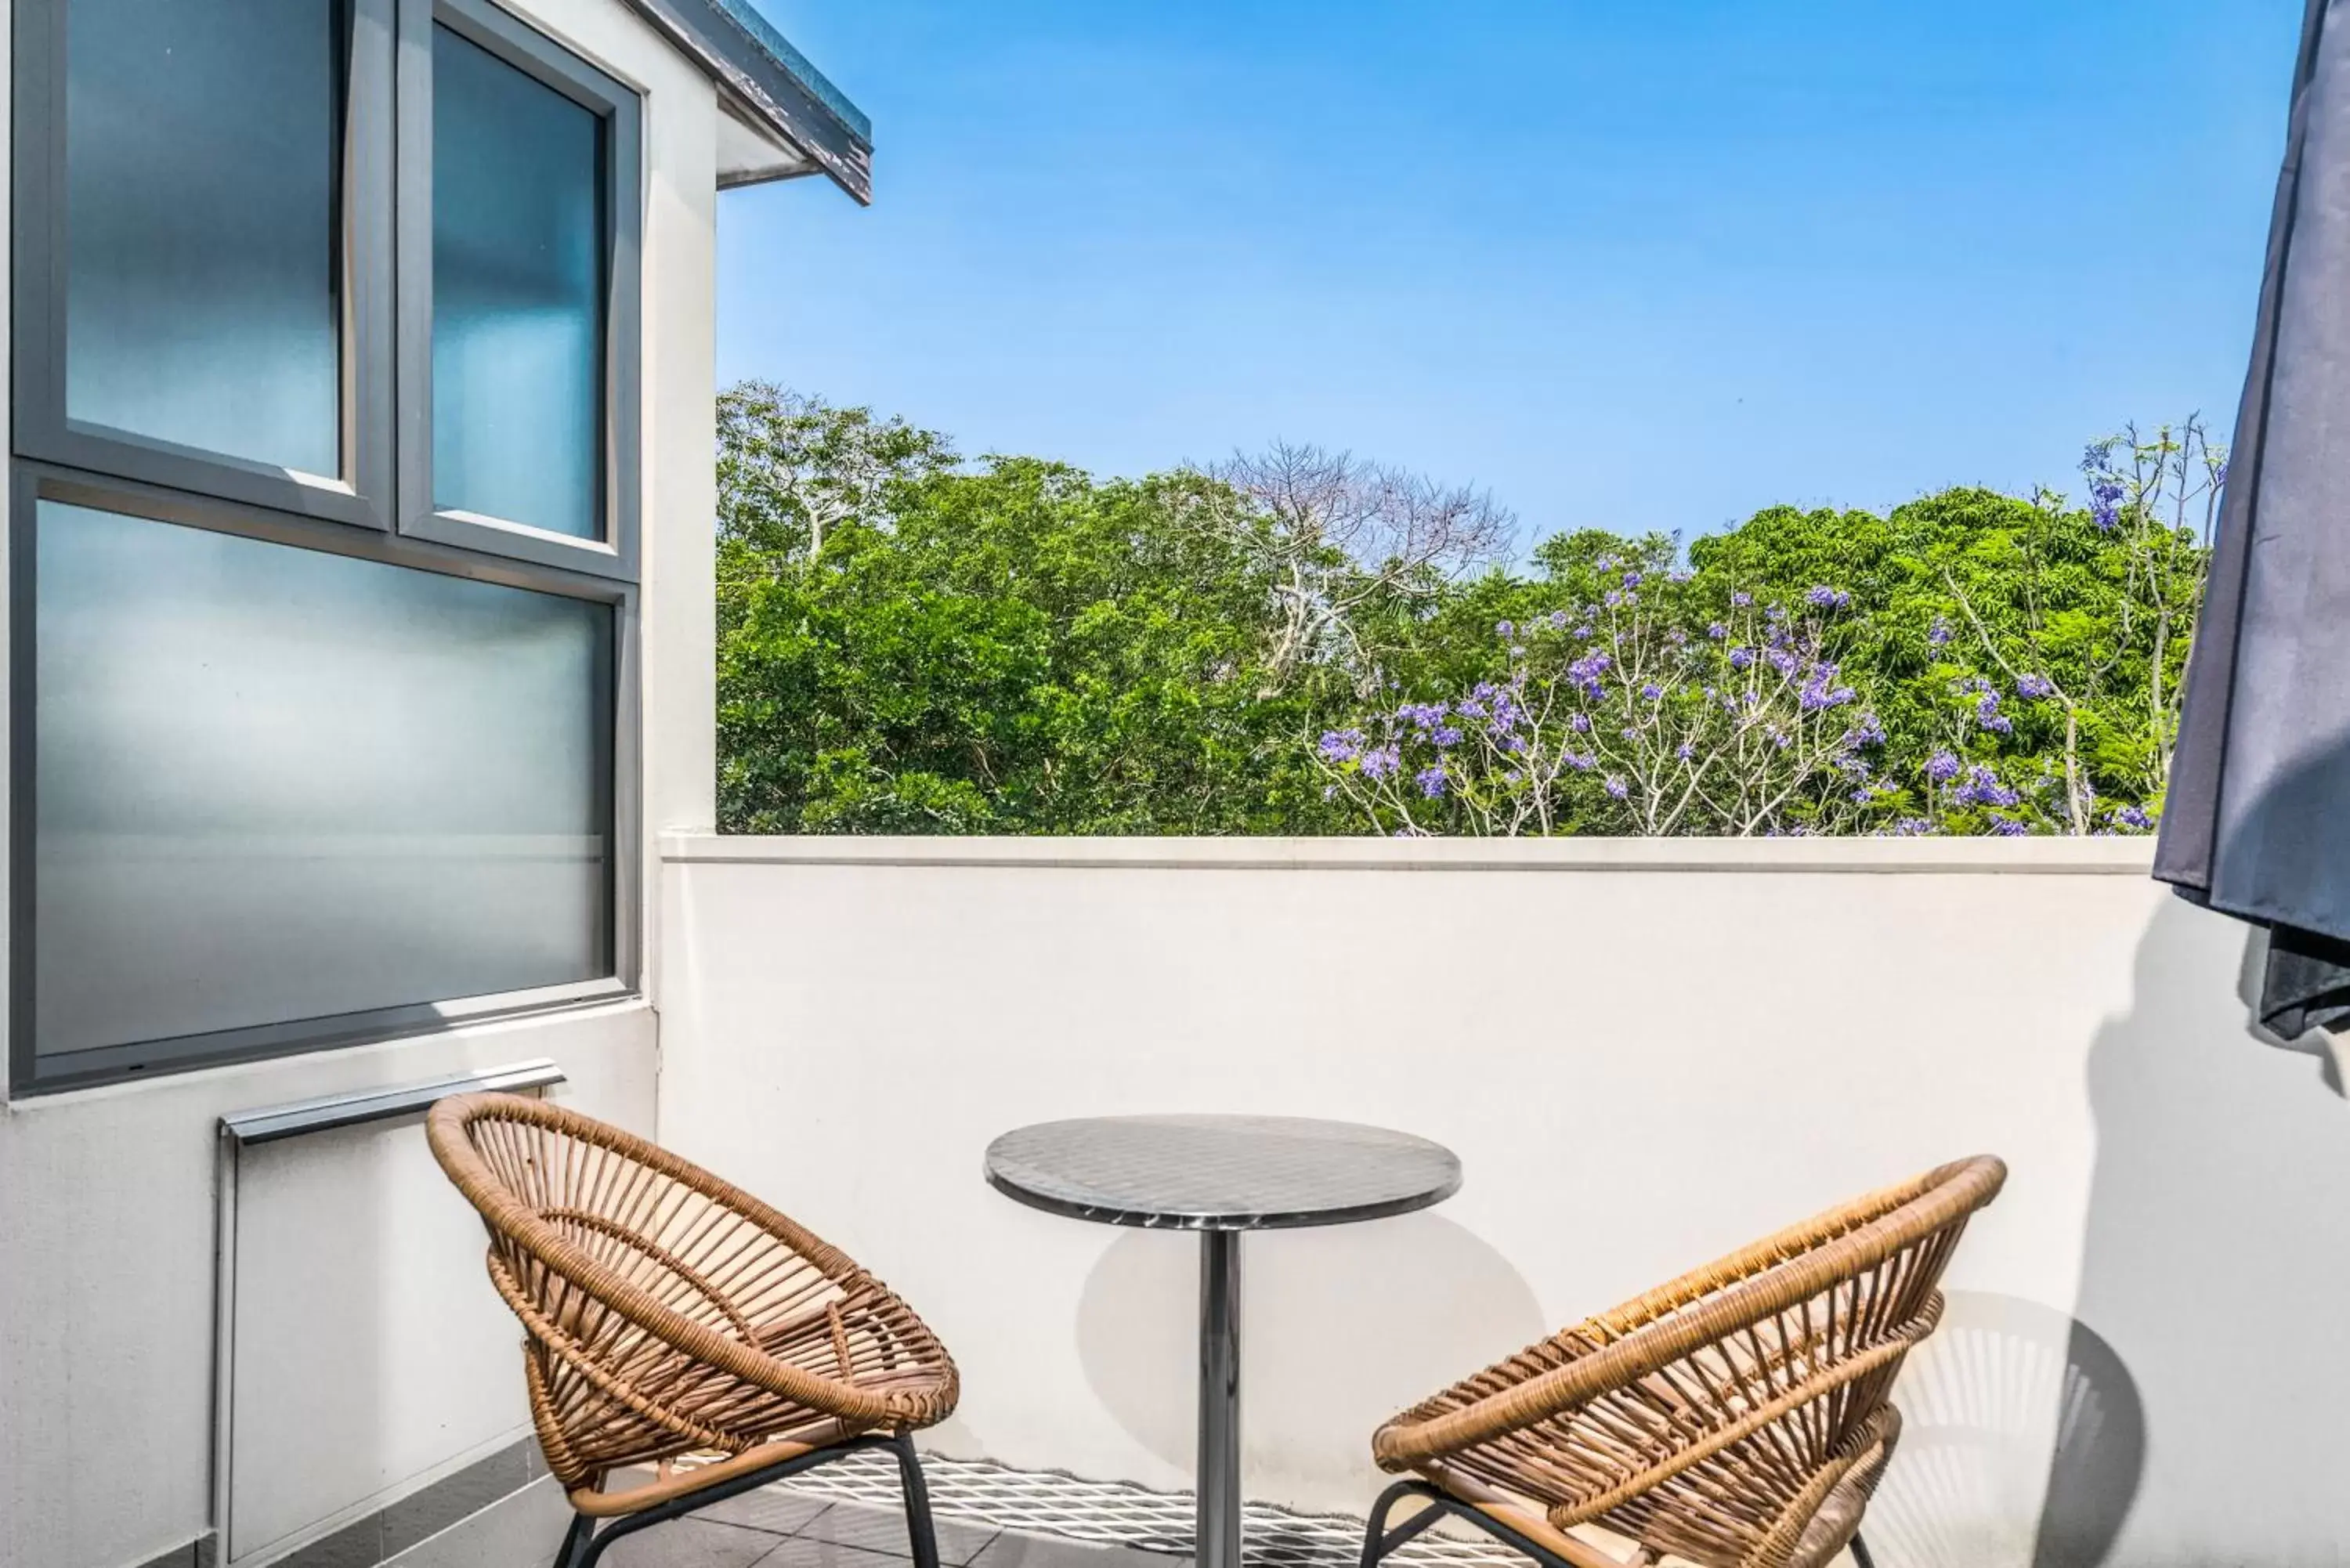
[107, 1195]
[1645, 1053]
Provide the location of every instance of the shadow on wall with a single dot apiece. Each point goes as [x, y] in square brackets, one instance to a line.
[2003, 1385]
[2215, 1267]
[1340, 1328]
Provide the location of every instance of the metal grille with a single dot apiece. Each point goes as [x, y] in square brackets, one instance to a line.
[1115, 1514]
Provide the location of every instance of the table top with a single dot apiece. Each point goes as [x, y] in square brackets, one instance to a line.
[1219, 1173]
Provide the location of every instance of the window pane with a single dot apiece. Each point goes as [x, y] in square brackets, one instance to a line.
[202, 144]
[517, 276]
[273, 784]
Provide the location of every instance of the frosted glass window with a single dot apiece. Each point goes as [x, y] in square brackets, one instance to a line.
[202, 287]
[517, 286]
[274, 783]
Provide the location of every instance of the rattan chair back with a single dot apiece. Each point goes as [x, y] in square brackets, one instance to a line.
[668, 1312]
[1736, 1417]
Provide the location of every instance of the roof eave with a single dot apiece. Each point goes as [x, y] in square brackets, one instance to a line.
[772, 87]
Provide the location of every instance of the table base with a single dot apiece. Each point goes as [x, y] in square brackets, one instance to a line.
[1217, 1542]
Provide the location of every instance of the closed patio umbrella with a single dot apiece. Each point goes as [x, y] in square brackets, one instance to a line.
[2257, 823]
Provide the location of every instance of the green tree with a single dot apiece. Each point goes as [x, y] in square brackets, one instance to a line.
[1005, 649]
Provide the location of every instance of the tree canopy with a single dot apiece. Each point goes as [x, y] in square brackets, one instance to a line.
[1302, 642]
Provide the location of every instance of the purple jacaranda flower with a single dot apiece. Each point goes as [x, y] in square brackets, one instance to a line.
[1341, 745]
[1862, 797]
[1912, 827]
[1681, 575]
[1517, 650]
[1329, 792]
[2220, 474]
[1869, 732]
[1446, 736]
[2008, 828]
[1611, 598]
[1717, 631]
[1981, 787]
[1651, 692]
[1677, 637]
[1780, 739]
[1783, 661]
[1942, 767]
[1425, 716]
[1431, 781]
[1471, 706]
[1578, 760]
[2131, 817]
[1580, 723]
[1605, 563]
[1590, 667]
[1504, 629]
[1558, 620]
[2097, 456]
[2030, 686]
[1817, 694]
[1988, 715]
[1381, 762]
[1617, 787]
[1686, 751]
[1822, 596]
[1629, 732]
[2103, 508]
[1775, 612]
[1939, 634]
[1586, 632]
[1740, 599]
[1740, 658]
[1631, 579]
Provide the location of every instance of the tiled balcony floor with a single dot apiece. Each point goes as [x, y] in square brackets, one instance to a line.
[845, 1515]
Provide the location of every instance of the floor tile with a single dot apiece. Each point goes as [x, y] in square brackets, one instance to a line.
[1012, 1549]
[776, 1509]
[805, 1552]
[884, 1530]
[690, 1542]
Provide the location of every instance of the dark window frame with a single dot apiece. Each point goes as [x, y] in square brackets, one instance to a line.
[361, 493]
[369, 512]
[621, 117]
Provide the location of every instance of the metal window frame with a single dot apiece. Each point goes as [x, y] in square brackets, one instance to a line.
[619, 112]
[385, 238]
[360, 494]
[619, 774]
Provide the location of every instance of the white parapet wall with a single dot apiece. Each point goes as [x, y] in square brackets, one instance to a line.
[1645, 1053]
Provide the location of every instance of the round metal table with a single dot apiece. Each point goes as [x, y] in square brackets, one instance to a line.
[1220, 1176]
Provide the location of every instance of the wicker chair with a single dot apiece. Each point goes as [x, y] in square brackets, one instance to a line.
[667, 1313]
[1734, 1419]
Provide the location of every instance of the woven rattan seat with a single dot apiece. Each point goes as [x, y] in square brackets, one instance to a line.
[1736, 1417]
[667, 1313]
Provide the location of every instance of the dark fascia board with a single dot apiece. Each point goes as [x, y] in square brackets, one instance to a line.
[773, 87]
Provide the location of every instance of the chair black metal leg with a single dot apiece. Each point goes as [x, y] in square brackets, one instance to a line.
[1860, 1557]
[919, 1531]
[575, 1540]
[1378, 1540]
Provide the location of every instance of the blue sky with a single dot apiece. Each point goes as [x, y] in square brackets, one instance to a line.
[1630, 264]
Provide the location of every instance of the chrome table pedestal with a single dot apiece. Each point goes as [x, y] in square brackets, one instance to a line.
[1220, 1176]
